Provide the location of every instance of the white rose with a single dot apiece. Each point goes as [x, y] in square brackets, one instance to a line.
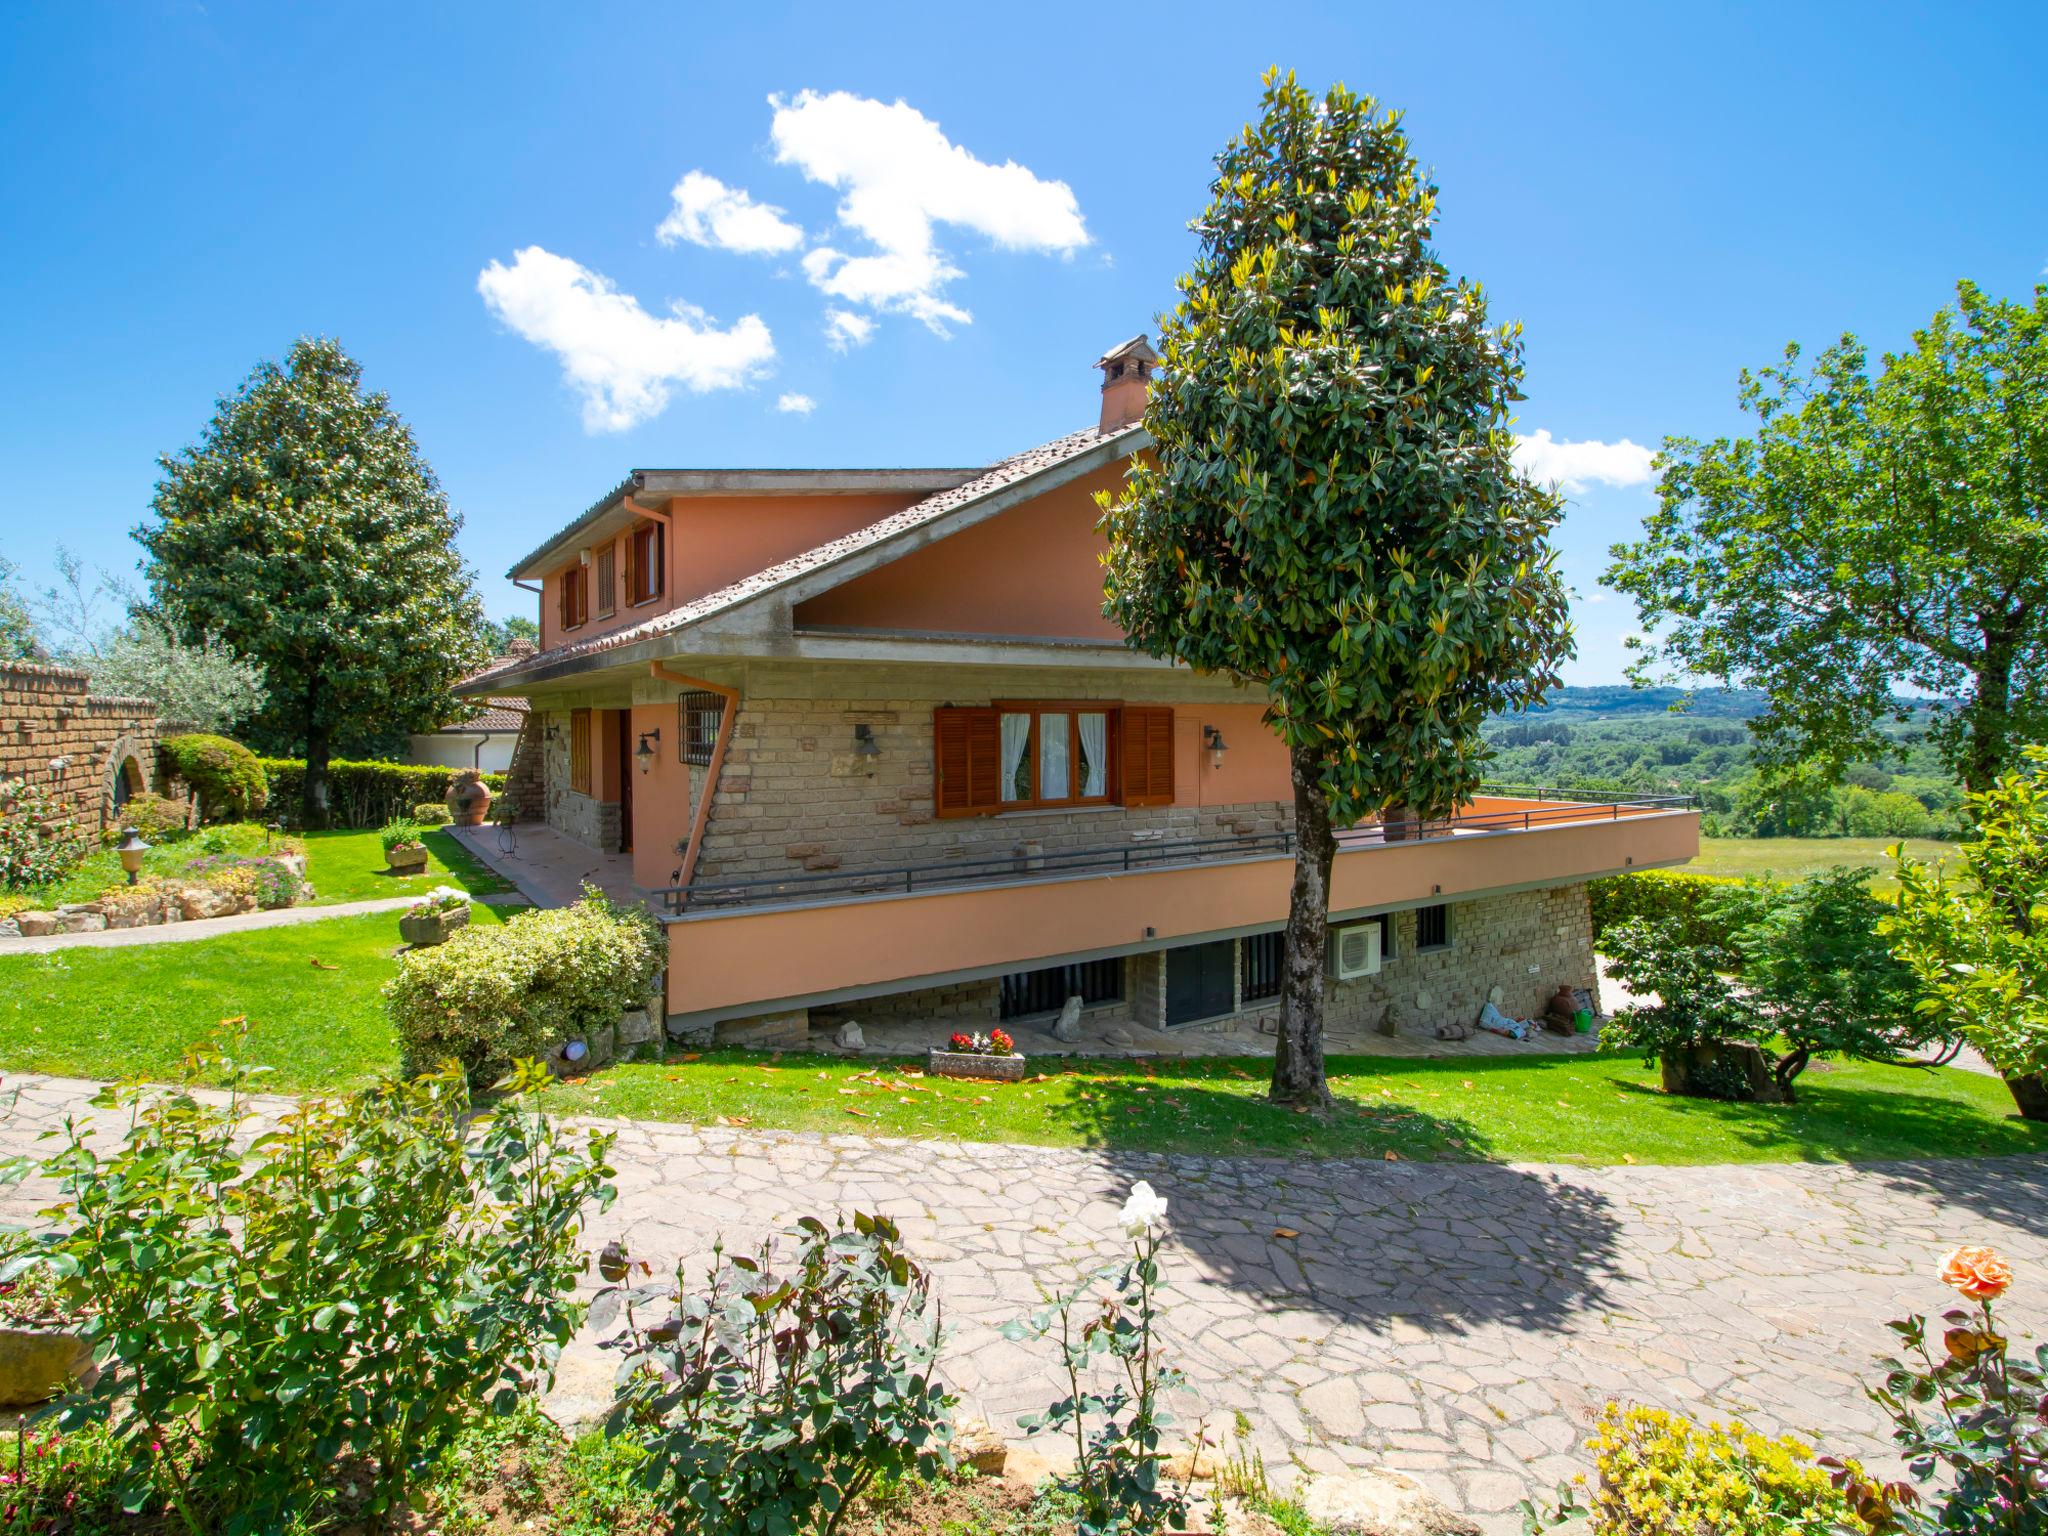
[1144, 1210]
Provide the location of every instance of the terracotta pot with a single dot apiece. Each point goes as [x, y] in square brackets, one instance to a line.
[407, 861]
[35, 1363]
[468, 800]
[997, 1069]
[431, 928]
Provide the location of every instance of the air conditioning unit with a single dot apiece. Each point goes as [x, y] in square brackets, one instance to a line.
[1355, 951]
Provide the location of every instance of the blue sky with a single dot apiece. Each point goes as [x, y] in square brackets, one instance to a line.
[1662, 194]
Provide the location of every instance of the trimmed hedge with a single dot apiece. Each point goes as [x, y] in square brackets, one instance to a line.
[364, 794]
[1674, 893]
[225, 775]
[489, 996]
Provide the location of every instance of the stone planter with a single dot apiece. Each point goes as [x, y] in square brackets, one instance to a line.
[468, 800]
[996, 1069]
[1721, 1070]
[404, 860]
[35, 1364]
[431, 928]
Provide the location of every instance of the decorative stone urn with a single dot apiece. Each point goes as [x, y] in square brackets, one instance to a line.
[35, 1363]
[407, 859]
[996, 1069]
[431, 928]
[468, 799]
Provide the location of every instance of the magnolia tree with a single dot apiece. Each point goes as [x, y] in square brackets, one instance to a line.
[1331, 510]
[1976, 933]
[307, 532]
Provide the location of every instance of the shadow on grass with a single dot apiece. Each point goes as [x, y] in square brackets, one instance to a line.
[1454, 1242]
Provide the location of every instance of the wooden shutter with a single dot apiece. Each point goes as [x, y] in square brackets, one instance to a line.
[968, 753]
[1147, 767]
[579, 751]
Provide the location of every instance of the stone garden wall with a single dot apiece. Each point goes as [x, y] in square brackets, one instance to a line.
[81, 745]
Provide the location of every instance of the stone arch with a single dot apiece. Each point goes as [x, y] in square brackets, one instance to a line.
[125, 777]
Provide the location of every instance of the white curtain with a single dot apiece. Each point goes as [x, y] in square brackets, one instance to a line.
[1052, 758]
[1094, 754]
[1016, 769]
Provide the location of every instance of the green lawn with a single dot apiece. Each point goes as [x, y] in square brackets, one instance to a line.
[309, 993]
[1562, 1109]
[1794, 858]
[343, 866]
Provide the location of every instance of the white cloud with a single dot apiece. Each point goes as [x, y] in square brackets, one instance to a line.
[899, 175]
[1575, 465]
[794, 404]
[845, 330]
[620, 359]
[705, 211]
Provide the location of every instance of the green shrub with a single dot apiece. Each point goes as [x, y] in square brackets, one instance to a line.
[400, 834]
[364, 794]
[1694, 902]
[40, 842]
[158, 818]
[225, 775]
[521, 988]
[352, 1286]
[1660, 1474]
[432, 813]
[768, 1402]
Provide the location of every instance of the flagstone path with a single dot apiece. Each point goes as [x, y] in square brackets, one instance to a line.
[1462, 1322]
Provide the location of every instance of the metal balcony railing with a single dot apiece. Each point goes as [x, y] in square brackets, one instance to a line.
[1130, 858]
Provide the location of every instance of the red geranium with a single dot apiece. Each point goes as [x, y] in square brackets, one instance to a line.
[960, 1043]
[1002, 1042]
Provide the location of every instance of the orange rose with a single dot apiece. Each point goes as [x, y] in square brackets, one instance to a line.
[1979, 1273]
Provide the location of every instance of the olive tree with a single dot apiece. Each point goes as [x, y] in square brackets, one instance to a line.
[307, 532]
[1330, 509]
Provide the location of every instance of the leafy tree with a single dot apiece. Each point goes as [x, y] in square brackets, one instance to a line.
[1976, 933]
[500, 633]
[306, 530]
[17, 624]
[1873, 533]
[1330, 510]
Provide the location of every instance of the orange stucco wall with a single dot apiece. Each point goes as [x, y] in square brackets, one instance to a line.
[714, 541]
[739, 960]
[662, 800]
[1033, 570]
[1254, 759]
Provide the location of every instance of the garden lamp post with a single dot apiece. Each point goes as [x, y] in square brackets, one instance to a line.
[131, 848]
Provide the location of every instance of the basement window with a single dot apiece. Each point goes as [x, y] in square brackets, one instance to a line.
[1432, 928]
[697, 719]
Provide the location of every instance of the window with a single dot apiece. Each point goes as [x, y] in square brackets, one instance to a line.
[1264, 962]
[1432, 928]
[575, 597]
[644, 546]
[697, 720]
[1029, 756]
[608, 580]
[1025, 993]
[579, 751]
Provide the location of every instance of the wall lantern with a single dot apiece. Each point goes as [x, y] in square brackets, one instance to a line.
[644, 753]
[1212, 738]
[551, 732]
[864, 743]
[131, 848]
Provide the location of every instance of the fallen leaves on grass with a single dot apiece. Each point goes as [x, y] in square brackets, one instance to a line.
[322, 965]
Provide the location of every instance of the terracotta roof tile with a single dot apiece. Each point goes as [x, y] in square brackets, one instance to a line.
[1007, 472]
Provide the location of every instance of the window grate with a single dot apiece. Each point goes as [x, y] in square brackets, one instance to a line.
[1046, 991]
[697, 720]
[1264, 959]
[1433, 927]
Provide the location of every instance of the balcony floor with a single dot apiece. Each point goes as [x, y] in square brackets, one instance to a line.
[548, 868]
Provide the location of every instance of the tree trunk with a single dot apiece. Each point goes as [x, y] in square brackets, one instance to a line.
[1985, 755]
[2031, 1094]
[1298, 1076]
[313, 796]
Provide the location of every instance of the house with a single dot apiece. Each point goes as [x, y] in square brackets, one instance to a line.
[482, 737]
[874, 750]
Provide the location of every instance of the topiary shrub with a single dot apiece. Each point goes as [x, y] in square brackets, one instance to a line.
[432, 813]
[224, 774]
[365, 794]
[1697, 903]
[491, 995]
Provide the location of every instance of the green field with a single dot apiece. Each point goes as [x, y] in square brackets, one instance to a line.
[1794, 858]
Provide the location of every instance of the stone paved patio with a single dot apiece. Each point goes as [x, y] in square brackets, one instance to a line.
[1461, 1322]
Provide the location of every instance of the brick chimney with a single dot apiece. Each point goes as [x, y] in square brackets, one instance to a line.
[1126, 376]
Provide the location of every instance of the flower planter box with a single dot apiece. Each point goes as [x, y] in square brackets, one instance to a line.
[431, 928]
[406, 861]
[996, 1069]
[35, 1363]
